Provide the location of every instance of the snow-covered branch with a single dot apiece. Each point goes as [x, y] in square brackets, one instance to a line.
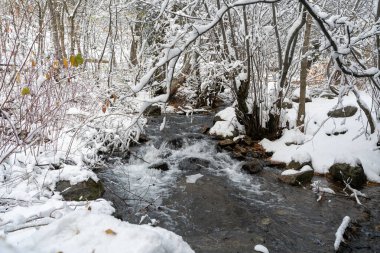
[340, 232]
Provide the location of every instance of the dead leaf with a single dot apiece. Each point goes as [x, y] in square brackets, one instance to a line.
[18, 78]
[110, 232]
[104, 108]
[65, 63]
[55, 64]
[113, 96]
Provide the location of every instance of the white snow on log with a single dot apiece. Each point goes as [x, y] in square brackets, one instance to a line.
[340, 232]
[261, 248]
[192, 179]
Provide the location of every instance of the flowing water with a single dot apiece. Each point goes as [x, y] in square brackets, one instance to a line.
[227, 210]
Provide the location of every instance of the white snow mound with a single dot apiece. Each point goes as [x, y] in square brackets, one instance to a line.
[84, 231]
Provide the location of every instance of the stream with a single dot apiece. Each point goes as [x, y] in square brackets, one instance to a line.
[226, 209]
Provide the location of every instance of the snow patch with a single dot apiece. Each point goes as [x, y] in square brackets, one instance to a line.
[293, 172]
[302, 157]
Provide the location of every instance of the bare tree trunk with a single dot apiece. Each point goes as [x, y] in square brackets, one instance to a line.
[377, 36]
[71, 19]
[54, 29]
[305, 66]
[223, 30]
[279, 50]
[242, 91]
[108, 35]
[133, 50]
[234, 46]
[41, 17]
[62, 33]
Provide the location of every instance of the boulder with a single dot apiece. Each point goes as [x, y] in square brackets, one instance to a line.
[253, 167]
[226, 143]
[297, 177]
[349, 172]
[86, 190]
[153, 110]
[300, 160]
[239, 149]
[143, 138]
[193, 164]
[175, 143]
[163, 166]
[347, 111]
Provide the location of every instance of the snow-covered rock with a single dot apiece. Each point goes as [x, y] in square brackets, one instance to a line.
[86, 190]
[350, 172]
[226, 124]
[347, 111]
[297, 177]
[299, 160]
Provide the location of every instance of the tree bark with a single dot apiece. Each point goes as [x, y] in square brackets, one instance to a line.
[305, 66]
[54, 29]
[62, 33]
[377, 36]
[279, 50]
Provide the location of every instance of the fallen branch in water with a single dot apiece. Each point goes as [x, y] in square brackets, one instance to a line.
[355, 193]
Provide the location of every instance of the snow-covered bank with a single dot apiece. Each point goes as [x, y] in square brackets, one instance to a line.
[88, 231]
[34, 217]
[329, 140]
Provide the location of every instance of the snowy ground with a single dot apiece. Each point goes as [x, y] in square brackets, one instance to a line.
[352, 144]
[325, 147]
